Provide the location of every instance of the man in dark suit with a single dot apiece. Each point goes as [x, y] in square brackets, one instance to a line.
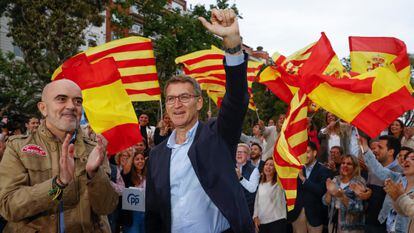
[191, 181]
[309, 213]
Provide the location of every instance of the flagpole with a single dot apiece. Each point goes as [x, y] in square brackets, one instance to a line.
[161, 109]
[209, 104]
[257, 114]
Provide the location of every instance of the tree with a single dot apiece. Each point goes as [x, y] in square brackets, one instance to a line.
[47, 32]
[174, 34]
[19, 92]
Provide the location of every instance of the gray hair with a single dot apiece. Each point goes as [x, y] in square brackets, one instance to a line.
[183, 79]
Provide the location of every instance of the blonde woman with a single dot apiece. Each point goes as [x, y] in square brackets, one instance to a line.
[270, 203]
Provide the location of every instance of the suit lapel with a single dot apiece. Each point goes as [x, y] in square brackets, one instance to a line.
[192, 152]
[163, 167]
[314, 171]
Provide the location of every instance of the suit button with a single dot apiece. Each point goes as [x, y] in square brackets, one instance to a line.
[53, 216]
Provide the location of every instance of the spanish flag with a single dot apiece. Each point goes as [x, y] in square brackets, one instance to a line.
[369, 101]
[206, 66]
[106, 103]
[134, 57]
[369, 53]
[290, 148]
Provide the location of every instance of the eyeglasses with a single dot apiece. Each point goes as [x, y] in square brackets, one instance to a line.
[183, 98]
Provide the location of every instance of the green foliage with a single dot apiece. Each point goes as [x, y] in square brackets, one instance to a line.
[174, 34]
[48, 32]
[346, 62]
[19, 91]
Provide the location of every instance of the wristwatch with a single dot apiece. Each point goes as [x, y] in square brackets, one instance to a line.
[234, 50]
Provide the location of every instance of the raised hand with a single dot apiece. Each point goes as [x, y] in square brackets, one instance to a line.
[96, 157]
[224, 23]
[331, 187]
[67, 162]
[395, 190]
[238, 172]
[301, 176]
[360, 190]
[363, 143]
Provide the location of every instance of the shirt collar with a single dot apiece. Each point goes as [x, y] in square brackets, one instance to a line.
[310, 167]
[393, 164]
[171, 143]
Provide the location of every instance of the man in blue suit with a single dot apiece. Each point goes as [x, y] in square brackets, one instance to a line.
[309, 213]
[192, 185]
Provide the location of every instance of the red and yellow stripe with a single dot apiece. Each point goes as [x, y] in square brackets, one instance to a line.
[369, 53]
[134, 57]
[290, 148]
[282, 77]
[111, 115]
[370, 101]
[206, 66]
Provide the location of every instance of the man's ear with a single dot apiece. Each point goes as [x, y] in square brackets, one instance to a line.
[42, 108]
[200, 103]
[391, 151]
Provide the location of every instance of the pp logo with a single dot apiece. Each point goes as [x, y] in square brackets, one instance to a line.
[133, 199]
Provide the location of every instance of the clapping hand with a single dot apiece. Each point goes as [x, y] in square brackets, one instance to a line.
[395, 190]
[361, 191]
[66, 162]
[96, 157]
[333, 189]
[301, 176]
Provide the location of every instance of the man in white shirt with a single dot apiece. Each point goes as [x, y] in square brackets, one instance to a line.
[248, 174]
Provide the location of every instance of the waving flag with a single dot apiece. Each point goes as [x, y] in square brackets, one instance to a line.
[290, 149]
[206, 66]
[134, 57]
[109, 114]
[370, 101]
[282, 77]
[369, 53]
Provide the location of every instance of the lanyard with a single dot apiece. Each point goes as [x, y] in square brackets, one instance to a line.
[61, 218]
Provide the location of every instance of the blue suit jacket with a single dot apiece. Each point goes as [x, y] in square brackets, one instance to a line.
[309, 196]
[212, 156]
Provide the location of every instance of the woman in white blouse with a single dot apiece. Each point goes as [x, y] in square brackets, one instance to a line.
[270, 204]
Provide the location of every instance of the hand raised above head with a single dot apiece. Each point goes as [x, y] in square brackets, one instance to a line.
[224, 23]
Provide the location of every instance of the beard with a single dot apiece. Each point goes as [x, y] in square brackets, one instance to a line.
[254, 156]
[64, 125]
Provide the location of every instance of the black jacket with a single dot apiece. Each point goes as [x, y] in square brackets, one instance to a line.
[212, 155]
[309, 196]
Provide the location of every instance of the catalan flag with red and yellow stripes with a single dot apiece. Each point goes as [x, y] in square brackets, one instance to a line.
[370, 101]
[290, 148]
[206, 66]
[109, 114]
[134, 57]
[369, 53]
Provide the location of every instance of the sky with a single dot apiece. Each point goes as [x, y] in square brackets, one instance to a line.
[287, 26]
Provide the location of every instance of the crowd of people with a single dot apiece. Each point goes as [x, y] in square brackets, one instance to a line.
[338, 191]
[200, 177]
